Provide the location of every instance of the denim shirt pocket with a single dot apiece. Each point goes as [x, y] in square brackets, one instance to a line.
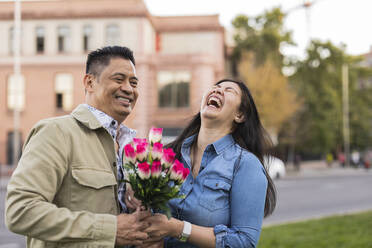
[215, 194]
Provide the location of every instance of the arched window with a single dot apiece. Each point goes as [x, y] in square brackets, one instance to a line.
[64, 40]
[64, 86]
[87, 37]
[16, 92]
[174, 89]
[112, 35]
[40, 39]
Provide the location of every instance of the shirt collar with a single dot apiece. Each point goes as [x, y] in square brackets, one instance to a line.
[223, 143]
[109, 123]
[219, 145]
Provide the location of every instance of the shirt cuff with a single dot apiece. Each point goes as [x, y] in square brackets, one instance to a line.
[105, 229]
[220, 232]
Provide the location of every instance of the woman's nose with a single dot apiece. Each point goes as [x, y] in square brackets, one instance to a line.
[218, 91]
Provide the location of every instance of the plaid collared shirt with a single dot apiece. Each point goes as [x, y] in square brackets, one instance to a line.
[123, 137]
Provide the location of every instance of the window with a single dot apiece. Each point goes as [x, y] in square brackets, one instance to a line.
[112, 35]
[174, 89]
[10, 147]
[64, 91]
[87, 36]
[63, 39]
[16, 92]
[40, 36]
[11, 40]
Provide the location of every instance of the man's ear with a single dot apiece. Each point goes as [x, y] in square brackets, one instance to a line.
[88, 82]
[239, 118]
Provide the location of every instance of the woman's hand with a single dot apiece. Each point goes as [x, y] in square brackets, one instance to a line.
[130, 201]
[152, 244]
[161, 227]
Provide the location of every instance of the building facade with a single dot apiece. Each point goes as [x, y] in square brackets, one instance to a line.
[177, 59]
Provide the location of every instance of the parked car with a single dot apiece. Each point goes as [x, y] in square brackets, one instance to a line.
[275, 167]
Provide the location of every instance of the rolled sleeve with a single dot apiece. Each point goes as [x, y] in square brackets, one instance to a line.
[220, 231]
[248, 195]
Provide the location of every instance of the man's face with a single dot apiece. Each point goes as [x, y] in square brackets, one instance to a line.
[114, 91]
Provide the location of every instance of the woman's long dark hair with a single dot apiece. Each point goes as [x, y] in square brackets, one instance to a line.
[249, 134]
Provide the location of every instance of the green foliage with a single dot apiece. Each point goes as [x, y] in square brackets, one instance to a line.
[318, 81]
[263, 35]
[349, 231]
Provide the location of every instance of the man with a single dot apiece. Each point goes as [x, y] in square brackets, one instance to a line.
[64, 192]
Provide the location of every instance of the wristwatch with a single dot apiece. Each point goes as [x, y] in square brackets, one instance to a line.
[185, 232]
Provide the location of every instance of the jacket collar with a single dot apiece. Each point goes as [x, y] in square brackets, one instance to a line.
[83, 115]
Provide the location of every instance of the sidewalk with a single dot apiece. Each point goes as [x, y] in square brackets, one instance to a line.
[3, 182]
[320, 168]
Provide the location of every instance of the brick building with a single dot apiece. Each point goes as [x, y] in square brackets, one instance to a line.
[177, 59]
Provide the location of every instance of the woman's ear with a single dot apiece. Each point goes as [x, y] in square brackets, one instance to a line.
[239, 118]
[88, 82]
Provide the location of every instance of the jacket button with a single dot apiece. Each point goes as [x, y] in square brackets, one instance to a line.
[114, 164]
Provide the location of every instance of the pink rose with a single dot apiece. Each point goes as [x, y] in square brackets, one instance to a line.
[155, 135]
[176, 171]
[155, 169]
[130, 154]
[144, 170]
[168, 157]
[157, 151]
[141, 152]
[185, 173]
[137, 141]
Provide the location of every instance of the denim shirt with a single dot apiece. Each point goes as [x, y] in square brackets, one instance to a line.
[228, 194]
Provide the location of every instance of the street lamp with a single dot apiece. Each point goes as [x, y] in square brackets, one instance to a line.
[17, 79]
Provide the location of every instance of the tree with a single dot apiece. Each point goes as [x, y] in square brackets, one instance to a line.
[318, 81]
[262, 35]
[275, 100]
[257, 53]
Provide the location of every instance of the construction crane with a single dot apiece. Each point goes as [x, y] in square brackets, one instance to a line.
[306, 5]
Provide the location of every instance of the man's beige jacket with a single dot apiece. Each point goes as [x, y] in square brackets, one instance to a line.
[64, 191]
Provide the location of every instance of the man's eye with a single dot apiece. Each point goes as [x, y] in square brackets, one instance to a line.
[134, 83]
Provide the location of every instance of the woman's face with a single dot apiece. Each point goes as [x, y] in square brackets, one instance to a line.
[221, 103]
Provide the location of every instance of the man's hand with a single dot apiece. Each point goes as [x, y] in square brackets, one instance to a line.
[130, 228]
[130, 201]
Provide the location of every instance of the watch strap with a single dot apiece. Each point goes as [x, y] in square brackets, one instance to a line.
[186, 232]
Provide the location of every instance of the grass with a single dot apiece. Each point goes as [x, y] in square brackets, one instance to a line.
[346, 231]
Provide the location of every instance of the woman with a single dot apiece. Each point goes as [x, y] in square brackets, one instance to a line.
[229, 191]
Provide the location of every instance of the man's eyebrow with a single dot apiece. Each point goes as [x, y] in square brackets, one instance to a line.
[123, 75]
[118, 74]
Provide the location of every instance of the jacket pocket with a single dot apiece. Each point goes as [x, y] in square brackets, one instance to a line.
[93, 178]
[215, 194]
[93, 190]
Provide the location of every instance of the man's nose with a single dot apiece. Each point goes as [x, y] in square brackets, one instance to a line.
[126, 87]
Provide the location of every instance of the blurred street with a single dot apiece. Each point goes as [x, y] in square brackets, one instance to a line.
[315, 191]
[8, 239]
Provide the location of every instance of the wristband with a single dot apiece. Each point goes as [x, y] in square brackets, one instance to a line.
[185, 232]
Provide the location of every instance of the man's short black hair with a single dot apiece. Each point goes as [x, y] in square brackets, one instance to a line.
[100, 58]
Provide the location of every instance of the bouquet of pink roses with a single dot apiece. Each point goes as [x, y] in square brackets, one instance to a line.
[153, 172]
